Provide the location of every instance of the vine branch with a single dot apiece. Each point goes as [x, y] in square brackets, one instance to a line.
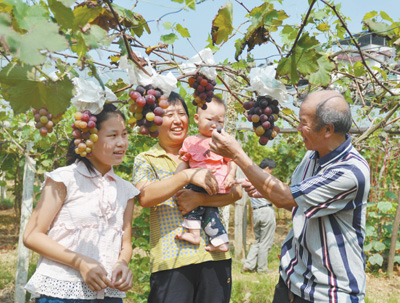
[333, 7]
[302, 26]
[131, 55]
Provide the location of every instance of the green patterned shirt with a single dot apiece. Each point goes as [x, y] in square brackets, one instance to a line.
[166, 220]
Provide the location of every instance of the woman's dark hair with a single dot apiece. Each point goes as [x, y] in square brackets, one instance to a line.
[108, 110]
[175, 98]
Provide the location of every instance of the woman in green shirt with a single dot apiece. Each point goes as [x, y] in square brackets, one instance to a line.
[181, 272]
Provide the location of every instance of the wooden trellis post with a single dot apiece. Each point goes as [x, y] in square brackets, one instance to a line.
[26, 211]
[395, 233]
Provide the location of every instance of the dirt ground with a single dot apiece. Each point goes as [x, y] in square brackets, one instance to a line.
[379, 287]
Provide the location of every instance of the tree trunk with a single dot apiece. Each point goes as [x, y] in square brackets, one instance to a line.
[393, 241]
[26, 211]
[2, 190]
[230, 128]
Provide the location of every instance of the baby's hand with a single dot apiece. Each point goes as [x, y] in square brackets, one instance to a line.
[122, 276]
[229, 181]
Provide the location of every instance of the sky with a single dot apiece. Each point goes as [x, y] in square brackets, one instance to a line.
[199, 21]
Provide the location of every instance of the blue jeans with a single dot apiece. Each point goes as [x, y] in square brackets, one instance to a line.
[45, 299]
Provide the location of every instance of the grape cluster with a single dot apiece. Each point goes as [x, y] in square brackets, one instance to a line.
[263, 113]
[203, 90]
[44, 121]
[85, 132]
[147, 107]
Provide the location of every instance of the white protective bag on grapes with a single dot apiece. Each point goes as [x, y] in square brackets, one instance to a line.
[262, 81]
[90, 96]
[166, 83]
[204, 57]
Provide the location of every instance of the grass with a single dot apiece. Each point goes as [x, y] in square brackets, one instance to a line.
[246, 288]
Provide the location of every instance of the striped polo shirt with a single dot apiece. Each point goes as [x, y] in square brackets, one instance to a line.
[166, 252]
[322, 258]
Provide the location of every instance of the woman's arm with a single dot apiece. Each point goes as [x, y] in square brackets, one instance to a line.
[35, 238]
[188, 199]
[153, 193]
[122, 276]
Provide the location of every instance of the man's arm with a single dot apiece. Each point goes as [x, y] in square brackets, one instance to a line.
[267, 185]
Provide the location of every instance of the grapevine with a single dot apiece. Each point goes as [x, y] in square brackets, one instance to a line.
[44, 121]
[203, 90]
[147, 106]
[263, 113]
[85, 132]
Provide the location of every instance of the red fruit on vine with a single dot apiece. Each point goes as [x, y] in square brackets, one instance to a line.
[141, 101]
[151, 92]
[204, 82]
[43, 131]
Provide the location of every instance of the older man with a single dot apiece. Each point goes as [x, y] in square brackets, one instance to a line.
[322, 258]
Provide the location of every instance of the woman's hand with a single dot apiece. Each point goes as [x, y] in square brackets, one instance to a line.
[94, 274]
[204, 178]
[122, 276]
[188, 200]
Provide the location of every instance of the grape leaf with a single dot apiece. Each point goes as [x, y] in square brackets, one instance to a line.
[191, 4]
[385, 16]
[303, 59]
[96, 37]
[367, 247]
[21, 87]
[64, 15]
[323, 27]
[381, 28]
[288, 34]
[167, 25]
[376, 259]
[391, 195]
[222, 24]
[300, 61]
[27, 47]
[169, 39]
[370, 15]
[307, 42]
[384, 206]
[134, 21]
[264, 19]
[67, 2]
[26, 16]
[182, 30]
[79, 46]
[323, 75]
[84, 15]
[378, 246]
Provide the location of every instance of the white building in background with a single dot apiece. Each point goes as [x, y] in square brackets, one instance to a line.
[375, 46]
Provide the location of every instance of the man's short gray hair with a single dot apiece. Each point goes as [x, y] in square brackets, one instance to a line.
[325, 115]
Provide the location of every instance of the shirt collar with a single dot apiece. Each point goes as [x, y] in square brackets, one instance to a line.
[83, 170]
[334, 155]
[156, 151]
